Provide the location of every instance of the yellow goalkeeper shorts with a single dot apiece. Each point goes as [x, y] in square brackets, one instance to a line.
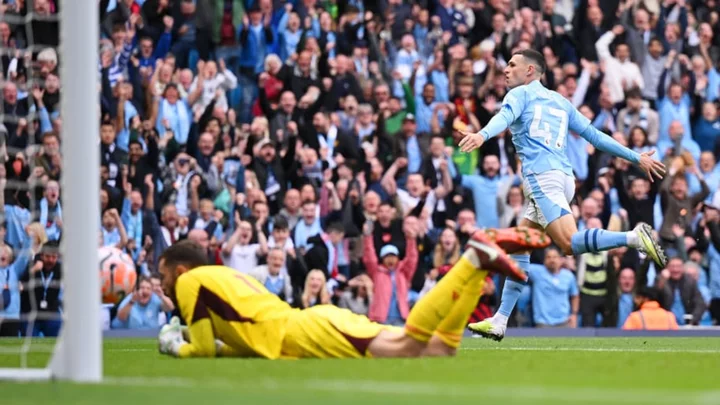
[326, 331]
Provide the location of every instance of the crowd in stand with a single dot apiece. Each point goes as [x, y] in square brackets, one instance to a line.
[310, 143]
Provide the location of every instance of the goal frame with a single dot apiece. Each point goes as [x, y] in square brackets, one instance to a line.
[77, 355]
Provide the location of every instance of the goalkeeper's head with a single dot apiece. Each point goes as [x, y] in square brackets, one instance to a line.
[176, 260]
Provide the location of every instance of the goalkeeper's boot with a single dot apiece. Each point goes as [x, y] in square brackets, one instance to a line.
[170, 337]
[490, 328]
[649, 245]
[517, 239]
[493, 258]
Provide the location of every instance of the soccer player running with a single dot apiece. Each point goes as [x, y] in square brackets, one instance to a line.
[230, 314]
[539, 120]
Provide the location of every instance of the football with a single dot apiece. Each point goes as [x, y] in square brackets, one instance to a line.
[117, 274]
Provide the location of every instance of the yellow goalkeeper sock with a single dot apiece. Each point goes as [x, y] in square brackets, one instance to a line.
[450, 330]
[430, 311]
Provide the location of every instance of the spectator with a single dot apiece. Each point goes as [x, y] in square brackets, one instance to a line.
[650, 316]
[359, 297]
[678, 144]
[51, 211]
[484, 185]
[447, 251]
[677, 204]
[11, 270]
[555, 298]
[637, 115]
[113, 230]
[200, 237]
[308, 227]
[141, 309]
[239, 253]
[620, 73]
[510, 202]
[207, 222]
[315, 292]
[636, 195]
[41, 294]
[391, 279]
[626, 302]
[707, 128]
[215, 80]
[272, 276]
[712, 218]
[680, 293]
[593, 272]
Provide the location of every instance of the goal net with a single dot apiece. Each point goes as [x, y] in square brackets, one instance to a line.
[50, 186]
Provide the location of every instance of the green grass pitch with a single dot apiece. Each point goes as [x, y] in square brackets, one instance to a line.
[654, 371]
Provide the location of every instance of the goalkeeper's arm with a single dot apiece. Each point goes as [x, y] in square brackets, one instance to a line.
[198, 337]
[200, 331]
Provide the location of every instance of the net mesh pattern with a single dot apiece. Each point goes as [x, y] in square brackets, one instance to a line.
[31, 165]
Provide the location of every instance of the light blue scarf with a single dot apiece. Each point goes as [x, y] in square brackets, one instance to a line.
[53, 231]
[123, 138]
[303, 232]
[179, 121]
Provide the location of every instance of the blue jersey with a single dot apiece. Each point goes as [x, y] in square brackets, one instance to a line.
[539, 120]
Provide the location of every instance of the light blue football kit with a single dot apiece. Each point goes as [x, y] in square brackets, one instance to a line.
[539, 120]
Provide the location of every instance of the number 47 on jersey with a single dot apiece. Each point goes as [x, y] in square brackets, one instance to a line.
[541, 126]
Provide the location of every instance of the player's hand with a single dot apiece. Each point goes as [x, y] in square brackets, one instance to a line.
[650, 166]
[171, 339]
[470, 141]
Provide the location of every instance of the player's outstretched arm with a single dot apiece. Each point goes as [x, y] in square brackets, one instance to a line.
[652, 168]
[512, 106]
[582, 126]
[498, 123]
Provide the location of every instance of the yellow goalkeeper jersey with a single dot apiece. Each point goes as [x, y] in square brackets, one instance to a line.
[218, 302]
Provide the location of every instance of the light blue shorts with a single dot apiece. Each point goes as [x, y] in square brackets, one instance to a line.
[549, 195]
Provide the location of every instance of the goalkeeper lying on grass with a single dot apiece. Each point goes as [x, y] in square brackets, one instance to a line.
[230, 314]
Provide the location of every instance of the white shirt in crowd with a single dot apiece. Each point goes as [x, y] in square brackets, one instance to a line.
[243, 258]
[616, 71]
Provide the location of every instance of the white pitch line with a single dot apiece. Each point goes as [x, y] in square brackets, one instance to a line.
[571, 395]
[591, 349]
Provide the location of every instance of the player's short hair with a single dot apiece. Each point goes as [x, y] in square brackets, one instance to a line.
[186, 253]
[535, 58]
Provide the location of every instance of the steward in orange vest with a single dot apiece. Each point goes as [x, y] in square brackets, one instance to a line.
[651, 315]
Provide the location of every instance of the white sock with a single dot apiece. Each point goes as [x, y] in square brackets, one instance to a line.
[500, 319]
[633, 240]
[472, 257]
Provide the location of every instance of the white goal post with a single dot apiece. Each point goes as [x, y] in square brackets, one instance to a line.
[77, 355]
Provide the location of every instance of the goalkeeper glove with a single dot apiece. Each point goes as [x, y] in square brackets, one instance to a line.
[171, 337]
